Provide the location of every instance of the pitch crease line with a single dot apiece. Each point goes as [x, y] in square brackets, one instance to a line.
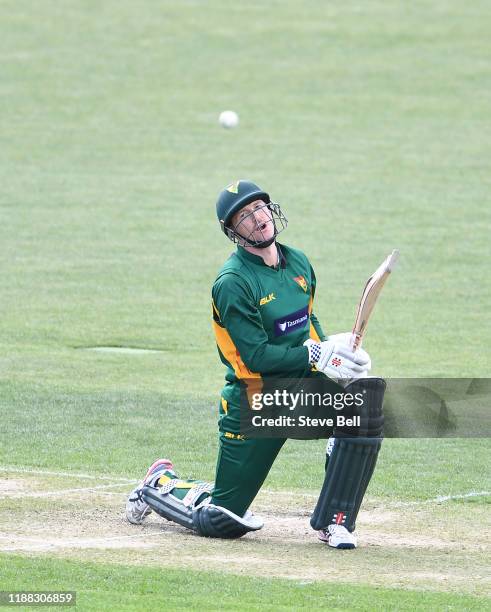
[28, 470]
[439, 500]
[435, 500]
[65, 491]
[402, 504]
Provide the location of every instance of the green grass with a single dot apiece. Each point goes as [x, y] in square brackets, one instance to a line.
[118, 433]
[369, 124]
[133, 588]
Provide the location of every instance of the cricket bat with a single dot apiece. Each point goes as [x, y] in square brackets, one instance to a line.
[369, 296]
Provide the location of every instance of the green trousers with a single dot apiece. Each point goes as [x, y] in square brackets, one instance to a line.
[242, 465]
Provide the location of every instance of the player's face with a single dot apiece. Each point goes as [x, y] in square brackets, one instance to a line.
[254, 222]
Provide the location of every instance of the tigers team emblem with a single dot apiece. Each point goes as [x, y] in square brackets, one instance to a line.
[301, 281]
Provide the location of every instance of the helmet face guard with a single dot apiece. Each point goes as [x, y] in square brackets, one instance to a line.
[257, 236]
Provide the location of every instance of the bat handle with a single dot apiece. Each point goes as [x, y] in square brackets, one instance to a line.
[355, 340]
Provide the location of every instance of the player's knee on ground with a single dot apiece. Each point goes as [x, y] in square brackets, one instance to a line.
[189, 505]
[175, 499]
[243, 465]
[217, 522]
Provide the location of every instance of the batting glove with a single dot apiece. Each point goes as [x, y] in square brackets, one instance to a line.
[338, 360]
[360, 357]
[319, 351]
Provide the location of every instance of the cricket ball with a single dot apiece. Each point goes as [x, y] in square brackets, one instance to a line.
[228, 119]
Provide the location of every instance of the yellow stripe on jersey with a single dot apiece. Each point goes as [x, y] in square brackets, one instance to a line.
[225, 405]
[229, 351]
[216, 314]
[312, 333]
[231, 354]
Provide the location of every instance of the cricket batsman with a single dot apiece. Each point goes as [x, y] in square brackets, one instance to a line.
[264, 324]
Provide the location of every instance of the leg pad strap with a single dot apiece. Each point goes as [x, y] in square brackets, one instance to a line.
[168, 506]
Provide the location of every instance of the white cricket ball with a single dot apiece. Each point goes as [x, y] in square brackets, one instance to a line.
[229, 119]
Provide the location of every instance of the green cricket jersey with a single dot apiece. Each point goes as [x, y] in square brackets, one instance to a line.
[262, 316]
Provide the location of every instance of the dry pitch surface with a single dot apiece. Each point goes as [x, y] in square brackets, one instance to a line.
[425, 545]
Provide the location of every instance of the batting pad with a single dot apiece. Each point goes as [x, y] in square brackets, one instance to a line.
[216, 522]
[348, 473]
[168, 506]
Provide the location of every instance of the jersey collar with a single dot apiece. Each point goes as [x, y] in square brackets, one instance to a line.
[244, 254]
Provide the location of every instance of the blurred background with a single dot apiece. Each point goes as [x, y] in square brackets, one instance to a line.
[368, 123]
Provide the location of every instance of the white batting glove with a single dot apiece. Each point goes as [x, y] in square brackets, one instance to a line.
[344, 364]
[361, 356]
[338, 360]
[343, 338]
[319, 351]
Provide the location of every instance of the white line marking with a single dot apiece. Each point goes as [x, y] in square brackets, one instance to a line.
[45, 544]
[140, 535]
[124, 350]
[28, 470]
[439, 500]
[435, 500]
[61, 492]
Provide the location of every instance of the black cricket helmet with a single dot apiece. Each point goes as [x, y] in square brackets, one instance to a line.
[237, 195]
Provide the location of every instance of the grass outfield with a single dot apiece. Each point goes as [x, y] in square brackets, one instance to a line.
[370, 126]
[130, 588]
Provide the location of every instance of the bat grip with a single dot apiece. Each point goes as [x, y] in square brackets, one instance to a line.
[356, 340]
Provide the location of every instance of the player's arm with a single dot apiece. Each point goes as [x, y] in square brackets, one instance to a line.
[317, 326]
[314, 320]
[237, 311]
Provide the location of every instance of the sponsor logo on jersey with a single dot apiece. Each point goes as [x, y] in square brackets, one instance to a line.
[267, 299]
[292, 322]
[336, 361]
[301, 281]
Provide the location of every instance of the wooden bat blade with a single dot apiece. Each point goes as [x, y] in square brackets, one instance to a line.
[370, 295]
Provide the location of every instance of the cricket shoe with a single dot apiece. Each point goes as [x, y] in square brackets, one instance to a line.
[137, 508]
[337, 536]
